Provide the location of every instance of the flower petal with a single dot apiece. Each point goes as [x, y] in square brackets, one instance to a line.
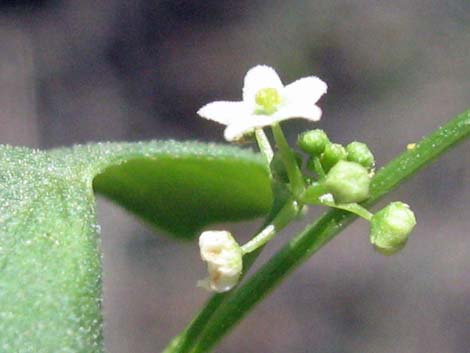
[305, 111]
[257, 78]
[306, 90]
[224, 260]
[235, 131]
[224, 112]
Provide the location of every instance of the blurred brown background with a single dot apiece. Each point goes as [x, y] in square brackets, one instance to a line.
[73, 71]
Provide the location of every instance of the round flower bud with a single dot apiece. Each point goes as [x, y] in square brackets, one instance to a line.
[332, 154]
[359, 152]
[224, 260]
[348, 182]
[313, 141]
[390, 227]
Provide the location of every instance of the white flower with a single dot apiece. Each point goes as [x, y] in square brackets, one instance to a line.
[224, 260]
[266, 101]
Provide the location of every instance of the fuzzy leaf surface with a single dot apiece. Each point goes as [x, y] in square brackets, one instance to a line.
[50, 263]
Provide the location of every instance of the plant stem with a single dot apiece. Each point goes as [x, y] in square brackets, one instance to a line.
[183, 342]
[314, 193]
[284, 217]
[296, 179]
[317, 194]
[355, 208]
[318, 168]
[305, 244]
[264, 145]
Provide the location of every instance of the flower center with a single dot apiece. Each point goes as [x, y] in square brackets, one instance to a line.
[267, 101]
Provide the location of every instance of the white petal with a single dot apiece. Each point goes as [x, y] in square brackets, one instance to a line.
[214, 243]
[305, 111]
[224, 283]
[224, 260]
[224, 112]
[306, 90]
[235, 131]
[257, 78]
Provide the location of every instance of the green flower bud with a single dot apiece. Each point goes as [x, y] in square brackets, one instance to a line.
[332, 154]
[348, 182]
[313, 141]
[390, 227]
[359, 152]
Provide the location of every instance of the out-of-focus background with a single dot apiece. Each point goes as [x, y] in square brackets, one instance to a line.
[73, 71]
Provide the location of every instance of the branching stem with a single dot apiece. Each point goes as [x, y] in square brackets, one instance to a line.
[219, 316]
[284, 217]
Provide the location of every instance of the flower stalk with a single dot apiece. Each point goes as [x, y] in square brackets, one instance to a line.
[264, 145]
[296, 179]
[283, 218]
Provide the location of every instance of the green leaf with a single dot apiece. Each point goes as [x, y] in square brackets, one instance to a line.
[189, 186]
[50, 269]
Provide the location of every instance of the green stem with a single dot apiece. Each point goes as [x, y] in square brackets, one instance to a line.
[284, 217]
[293, 172]
[313, 194]
[355, 208]
[184, 341]
[318, 168]
[264, 145]
[301, 247]
[316, 194]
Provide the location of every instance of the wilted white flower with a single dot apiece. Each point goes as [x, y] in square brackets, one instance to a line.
[224, 260]
[266, 101]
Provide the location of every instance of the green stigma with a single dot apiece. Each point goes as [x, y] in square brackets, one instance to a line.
[267, 101]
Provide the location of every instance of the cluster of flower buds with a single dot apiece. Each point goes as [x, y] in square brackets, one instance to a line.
[345, 173]
[342, 178]
[317, 144]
